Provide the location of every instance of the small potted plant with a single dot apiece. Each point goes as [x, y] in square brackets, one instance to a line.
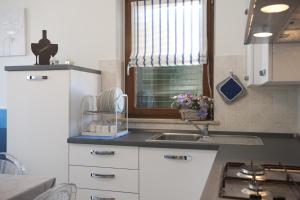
[193, 107]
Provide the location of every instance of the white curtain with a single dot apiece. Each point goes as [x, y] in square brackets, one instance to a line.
[168, 33]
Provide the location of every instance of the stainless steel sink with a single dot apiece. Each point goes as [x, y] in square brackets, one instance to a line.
[211, 139]
[176, 137]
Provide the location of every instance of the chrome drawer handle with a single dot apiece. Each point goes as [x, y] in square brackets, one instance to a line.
[175, 157]
[37, 78]
[94, 175]
[101, 198]
[102, 153]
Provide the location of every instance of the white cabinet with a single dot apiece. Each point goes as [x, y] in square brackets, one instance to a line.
[104, 171]
[110, 179]
[132, 173]
[175, 174]
[104, 156]
[269, 64]
[41, 118]
[85, 194]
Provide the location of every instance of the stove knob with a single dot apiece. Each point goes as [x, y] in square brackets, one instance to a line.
[255, 197]
[279, 198]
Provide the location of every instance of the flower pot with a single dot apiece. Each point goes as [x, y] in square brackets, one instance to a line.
[192, 115]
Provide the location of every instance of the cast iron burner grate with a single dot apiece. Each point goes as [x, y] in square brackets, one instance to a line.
[267, 181]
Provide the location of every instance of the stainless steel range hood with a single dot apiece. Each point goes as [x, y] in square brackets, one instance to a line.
[284, 26]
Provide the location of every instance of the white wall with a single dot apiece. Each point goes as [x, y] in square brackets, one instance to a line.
[230, 27]
[88, 33]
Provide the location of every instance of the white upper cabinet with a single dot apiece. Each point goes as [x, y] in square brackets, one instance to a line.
[269, 64]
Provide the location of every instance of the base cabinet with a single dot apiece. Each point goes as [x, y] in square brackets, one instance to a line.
[174, 174]
[104, 172]
[108, 172]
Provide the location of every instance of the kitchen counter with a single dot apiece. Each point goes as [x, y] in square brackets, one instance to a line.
[284, 148]
[276, 148]
[138, 138]
[50, 67]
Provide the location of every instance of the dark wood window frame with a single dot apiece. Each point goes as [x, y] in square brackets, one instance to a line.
[130, 79]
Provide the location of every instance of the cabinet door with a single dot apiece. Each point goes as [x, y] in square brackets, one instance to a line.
[38, 120]
[250, 65]
[262, 63]
[175, 174]
[259, 63]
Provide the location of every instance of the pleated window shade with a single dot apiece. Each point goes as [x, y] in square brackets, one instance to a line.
[168, 33]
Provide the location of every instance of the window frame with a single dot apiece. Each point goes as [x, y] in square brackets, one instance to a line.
[131, 78]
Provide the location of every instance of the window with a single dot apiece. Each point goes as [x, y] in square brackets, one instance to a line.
[166, 52]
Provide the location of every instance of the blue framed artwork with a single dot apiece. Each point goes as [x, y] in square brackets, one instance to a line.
[3, 125]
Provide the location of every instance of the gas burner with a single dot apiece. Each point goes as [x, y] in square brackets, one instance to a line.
[252, 170]
[245, 176]
[244, 181]
[255, 186]
[250, 192]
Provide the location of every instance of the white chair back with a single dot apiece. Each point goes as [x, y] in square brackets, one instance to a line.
[63, 191]
[10, 165]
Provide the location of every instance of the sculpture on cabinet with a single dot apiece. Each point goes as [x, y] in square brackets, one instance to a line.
[44, 50]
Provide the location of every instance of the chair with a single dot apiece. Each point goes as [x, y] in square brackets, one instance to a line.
[61, 192]
[10, 165]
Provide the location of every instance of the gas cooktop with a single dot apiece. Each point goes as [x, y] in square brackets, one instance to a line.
[266, 181]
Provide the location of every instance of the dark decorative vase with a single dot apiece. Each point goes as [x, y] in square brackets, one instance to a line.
[44, 50]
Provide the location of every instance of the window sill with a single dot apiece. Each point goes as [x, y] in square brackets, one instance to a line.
[170, 121]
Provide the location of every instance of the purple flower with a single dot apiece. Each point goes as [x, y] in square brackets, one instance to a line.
[202, 113]
[180, 99]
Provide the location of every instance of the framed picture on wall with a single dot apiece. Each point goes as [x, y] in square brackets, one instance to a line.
[12, 32]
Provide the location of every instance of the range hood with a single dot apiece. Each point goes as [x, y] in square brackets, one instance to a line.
[273, 21]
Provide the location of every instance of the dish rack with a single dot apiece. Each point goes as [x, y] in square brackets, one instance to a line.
[107, 123]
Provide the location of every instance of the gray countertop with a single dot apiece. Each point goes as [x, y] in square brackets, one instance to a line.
[284, 148]
[50, 67]
[275, 150]
[138, 138]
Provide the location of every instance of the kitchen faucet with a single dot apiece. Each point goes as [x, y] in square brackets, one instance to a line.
[203, 131]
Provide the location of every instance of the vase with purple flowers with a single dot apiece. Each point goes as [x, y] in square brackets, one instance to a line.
[193, 107]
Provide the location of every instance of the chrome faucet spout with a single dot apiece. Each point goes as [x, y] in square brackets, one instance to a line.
[203, 131]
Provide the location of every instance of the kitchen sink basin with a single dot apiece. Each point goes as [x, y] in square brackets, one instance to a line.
[200, 139]
[176, 137]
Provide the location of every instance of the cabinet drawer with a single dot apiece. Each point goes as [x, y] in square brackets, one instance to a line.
[83, 194]
[104, 156]
[122, 180]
